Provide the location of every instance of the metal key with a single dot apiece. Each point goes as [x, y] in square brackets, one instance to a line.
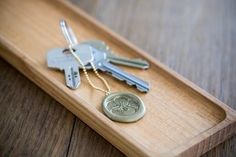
[111, 57]
[63, 60]
[136, 62]
[100, 61]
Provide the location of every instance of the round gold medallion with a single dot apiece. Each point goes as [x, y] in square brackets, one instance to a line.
[123, 107]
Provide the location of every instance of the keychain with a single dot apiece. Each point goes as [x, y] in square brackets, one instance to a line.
[118, 106]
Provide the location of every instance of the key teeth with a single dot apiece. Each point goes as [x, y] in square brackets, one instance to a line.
[143, 89]
[117, 77]
[130, 83]
[115, 72]
[138, 87]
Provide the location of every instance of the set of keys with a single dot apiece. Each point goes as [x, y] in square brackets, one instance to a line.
[97, 56]
[102, 57]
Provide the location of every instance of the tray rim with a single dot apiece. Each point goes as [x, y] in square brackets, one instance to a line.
[22, 62]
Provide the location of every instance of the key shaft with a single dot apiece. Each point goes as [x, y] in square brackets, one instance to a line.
[72, 76]
[118, 73]
[135, 63]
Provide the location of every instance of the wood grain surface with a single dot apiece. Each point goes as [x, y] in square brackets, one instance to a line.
[34, 124]
[195, 38]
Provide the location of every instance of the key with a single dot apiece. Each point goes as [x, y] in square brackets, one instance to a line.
[63, 60]
[135, 63]
[101, 63]
[101, 46]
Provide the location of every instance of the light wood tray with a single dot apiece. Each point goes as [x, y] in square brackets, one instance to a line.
[181, 119]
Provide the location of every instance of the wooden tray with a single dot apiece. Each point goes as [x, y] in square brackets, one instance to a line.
[181, 119]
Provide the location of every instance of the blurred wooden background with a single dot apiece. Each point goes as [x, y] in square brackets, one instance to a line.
[195, 38]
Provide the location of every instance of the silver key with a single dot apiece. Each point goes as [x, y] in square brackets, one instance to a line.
[111, 57]
[63, 60]
[136, 62]
[101, 63]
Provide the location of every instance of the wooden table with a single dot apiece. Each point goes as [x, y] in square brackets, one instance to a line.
[195, 38]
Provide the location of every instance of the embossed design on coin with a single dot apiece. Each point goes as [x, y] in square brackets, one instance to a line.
[123, 107]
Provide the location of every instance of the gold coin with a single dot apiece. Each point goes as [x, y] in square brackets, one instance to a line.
[123, 107]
